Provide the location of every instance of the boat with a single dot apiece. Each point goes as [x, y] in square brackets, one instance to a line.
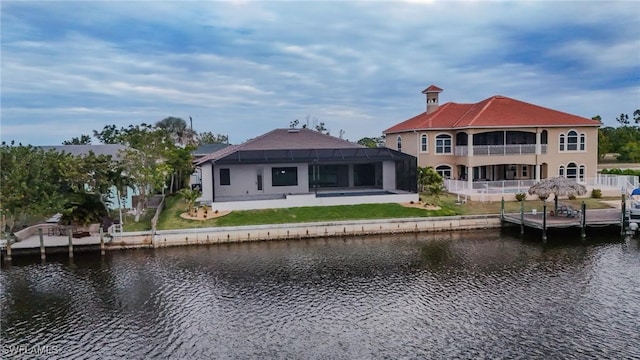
[634, 208]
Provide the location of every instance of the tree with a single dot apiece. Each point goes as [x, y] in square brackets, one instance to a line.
[110, 135]
[429, 181]
[178, 130]
[372, 142]
[209, 138]
[190, 196]
[82, 140]
[30, 183]
[623, 119]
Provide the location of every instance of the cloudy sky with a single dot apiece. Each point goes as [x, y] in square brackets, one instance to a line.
[243, 68]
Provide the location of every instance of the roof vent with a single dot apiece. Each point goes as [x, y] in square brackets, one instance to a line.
[293, 131]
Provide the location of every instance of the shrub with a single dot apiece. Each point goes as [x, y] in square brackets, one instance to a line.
[542, 197]
[521, 196]
[572, 197]
[596, 193]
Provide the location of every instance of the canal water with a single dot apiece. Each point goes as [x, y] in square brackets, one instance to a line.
[430, 296]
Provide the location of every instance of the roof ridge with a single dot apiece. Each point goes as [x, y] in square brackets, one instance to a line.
[489, 101]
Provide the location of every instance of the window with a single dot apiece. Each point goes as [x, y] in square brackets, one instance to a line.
[572, 141]
[225, 177]
[561, 171]
[443, 144]
[572, 171]
[581, 173]
[561, 142]
[284, 176]
[444, 171]
[525, 171]
[399, 143]
[582, 142]
[423, 143]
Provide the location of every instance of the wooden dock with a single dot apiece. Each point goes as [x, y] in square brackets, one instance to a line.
[592, 218]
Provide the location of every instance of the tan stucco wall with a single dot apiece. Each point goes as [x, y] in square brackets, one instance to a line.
[553, 158]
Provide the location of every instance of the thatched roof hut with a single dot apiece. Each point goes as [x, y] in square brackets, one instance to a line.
[558, 186]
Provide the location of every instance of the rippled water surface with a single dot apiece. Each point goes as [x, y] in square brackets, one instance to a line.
[467, 295]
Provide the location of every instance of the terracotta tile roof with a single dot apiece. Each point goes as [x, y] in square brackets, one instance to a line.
[432, 88]
[496, 111]
[284, 139]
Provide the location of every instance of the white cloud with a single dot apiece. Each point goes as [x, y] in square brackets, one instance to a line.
[357, 66]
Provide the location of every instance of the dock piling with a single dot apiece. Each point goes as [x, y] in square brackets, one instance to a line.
[583, 221]
[521, 217]
[8, 257]
[43, 255]
[101, 242]
[544, 223]
[70, 233]
[623, 213]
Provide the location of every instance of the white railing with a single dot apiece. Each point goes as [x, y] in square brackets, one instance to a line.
[489, 187]
[624, 183]
[517, 149]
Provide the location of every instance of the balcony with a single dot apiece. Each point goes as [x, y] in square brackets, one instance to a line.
[518, 149]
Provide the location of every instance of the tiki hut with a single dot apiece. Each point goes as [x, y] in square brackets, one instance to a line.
[558, 186]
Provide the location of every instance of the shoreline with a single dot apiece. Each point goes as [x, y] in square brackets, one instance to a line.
[287, 231]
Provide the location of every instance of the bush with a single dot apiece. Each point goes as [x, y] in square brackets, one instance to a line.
[572, 197]
[596, 193]
[521, 196]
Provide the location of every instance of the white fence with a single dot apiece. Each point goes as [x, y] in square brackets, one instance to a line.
[480, 189]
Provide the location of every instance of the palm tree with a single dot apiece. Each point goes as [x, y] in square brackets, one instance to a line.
[178, 130]
[190, 196]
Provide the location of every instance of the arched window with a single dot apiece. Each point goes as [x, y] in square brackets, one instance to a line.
[561, 142]
[444, 171]
[443, 144]
[561, 170]
[572, 171]
[399, 143]
[582, 142]
[572, 141]
[423, 143]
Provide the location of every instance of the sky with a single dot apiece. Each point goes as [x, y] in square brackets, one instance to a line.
[243, 68]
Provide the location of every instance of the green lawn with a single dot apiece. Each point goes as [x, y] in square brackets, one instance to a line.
[143, 225]
[170, 217]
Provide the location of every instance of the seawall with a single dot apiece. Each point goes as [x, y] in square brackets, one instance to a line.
[218, 235]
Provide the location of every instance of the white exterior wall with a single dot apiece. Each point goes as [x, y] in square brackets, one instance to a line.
[207, 189]
[244, 180]
[388, 175]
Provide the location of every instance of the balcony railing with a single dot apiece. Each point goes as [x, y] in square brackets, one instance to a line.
[518, 149]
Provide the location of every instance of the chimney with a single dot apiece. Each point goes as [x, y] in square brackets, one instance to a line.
[432, 98]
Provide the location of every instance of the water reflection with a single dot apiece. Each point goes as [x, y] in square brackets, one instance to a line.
[445, 295]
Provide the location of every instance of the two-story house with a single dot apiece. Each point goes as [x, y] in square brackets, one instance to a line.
[496, 139]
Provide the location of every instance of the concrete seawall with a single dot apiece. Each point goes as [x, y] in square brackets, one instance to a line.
[181, 237]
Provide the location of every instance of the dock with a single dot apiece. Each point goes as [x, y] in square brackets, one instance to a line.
[49, 244]
[592, 218]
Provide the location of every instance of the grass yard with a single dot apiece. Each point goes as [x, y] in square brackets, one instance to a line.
[143, 225]
[170, 217]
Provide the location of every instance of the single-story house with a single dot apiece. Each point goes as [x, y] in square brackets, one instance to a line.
[112, 150]
[303, 167]
[195, 179]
